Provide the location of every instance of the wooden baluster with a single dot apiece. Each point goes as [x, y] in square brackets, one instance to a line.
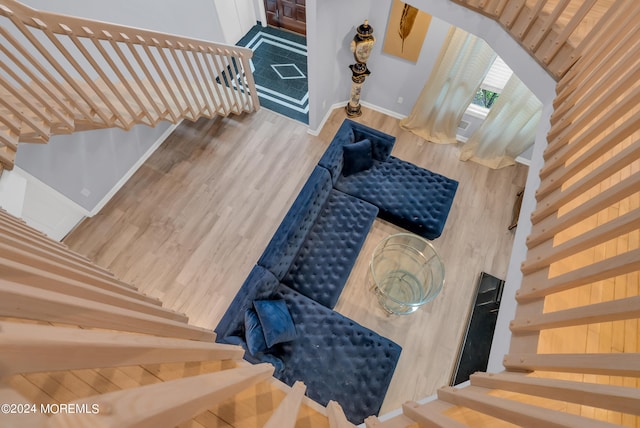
[218, 64]
[286, 414]
[552, 175]
[71, 81]
[620, 19]
[543, 255]
[615, 398]
[186, 82]
[533, 16]
[188, 109]
[221, 108]
[54, 255]
[31, 348]
[614, 364]
[149, 78]
[176, 110]
[566, 32]
[556, 199]
[125, 123]
[499, 8]
[21, 301]
[167, 403]
[68, 104]
[143, 110]
[557, 156]
[254, 102]
[57, 111]
[336, 416]
[431, 414]
[42, 279]
[213, 104]
[511, 12]
[574, 106]
[604, 26]
[517, 413]
[233, 74]
[53, 266]
[151, 103]
[43, 119]
[616, 310]
[619, 36]
[621, 264]
[185, 51]
[115, 111]
[16, 126]
[548, 25]
[244, 91]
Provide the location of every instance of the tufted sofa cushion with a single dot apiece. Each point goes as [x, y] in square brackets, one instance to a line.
[295, 226]
[337, 358]
[407, 195]
[350, 132]
[324, 262]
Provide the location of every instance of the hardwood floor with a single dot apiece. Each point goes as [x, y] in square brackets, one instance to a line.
[191, 223]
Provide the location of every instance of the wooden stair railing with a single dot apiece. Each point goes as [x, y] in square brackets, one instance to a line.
[63, 74]
[556, 32]
[65, 320]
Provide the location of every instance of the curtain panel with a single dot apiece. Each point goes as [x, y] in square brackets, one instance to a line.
[508, 130]
[462, 65]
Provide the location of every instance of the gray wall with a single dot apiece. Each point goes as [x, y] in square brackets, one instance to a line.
[392, 77]
[193, 18]
[85, 166]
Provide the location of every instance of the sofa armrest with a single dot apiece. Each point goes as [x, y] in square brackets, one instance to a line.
[260, 284]
[381, 143]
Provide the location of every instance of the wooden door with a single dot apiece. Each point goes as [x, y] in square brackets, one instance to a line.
[288, 14]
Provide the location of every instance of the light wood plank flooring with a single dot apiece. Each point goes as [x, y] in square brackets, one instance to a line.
[192, 222]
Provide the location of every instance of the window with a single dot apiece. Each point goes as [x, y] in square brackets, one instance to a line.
[493, 84]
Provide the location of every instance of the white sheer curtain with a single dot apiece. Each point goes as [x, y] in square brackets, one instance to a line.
[462, 65]
[508, 130]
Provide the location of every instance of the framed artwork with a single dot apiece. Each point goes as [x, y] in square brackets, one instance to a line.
[406, 30]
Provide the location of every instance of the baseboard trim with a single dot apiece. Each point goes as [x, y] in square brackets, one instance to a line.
[317, 131]
[383, 110]
[133, 170]
[341, 104]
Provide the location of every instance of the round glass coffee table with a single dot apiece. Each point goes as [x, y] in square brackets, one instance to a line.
[407, 273]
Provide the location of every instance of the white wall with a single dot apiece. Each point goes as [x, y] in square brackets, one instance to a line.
[193, 18]
[86, 167]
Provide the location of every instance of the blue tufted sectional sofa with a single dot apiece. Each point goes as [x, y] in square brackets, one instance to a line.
[308, 261]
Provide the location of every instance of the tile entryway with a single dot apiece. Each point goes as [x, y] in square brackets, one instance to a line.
[279, 66]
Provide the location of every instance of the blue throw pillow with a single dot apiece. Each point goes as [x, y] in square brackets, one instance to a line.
[357, 157]
[253, 333]
[276, 321]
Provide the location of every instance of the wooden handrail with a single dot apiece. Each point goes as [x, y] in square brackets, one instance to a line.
[92, 74]
[552, 37]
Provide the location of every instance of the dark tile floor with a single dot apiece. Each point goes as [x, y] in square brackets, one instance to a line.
[280, 70]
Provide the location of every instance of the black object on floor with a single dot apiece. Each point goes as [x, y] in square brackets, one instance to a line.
[279, 67]
[474, 353]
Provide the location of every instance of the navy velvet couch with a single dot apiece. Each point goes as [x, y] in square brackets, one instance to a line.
[406, 195]
[309, 259]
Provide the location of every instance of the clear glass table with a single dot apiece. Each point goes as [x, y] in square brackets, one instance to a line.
[407, 273]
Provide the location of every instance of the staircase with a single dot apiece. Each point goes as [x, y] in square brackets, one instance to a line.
[74, 334]
[62, 74]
